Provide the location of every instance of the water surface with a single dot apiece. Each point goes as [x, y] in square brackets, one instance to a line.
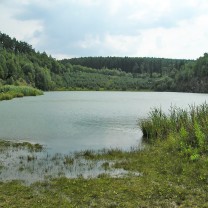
[74, 121]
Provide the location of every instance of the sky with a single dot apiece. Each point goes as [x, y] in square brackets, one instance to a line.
[134, 28]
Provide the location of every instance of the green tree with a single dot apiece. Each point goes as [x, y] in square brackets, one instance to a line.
[43, 79]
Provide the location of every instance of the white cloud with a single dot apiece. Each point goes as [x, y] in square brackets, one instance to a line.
[171, 28]
[89, 42]
[121, 44]
[188, 40]
[22, 30]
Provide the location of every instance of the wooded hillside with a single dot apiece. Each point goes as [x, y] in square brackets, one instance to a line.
[20, 64]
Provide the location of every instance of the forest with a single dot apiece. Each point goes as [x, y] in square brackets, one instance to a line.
[20, 64]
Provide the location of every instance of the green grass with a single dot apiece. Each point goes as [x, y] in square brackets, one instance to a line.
[8, 92]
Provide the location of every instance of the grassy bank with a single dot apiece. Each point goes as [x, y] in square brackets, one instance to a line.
[8, 92]
[173, 171]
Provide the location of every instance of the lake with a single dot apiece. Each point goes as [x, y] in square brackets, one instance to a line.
[73, 121]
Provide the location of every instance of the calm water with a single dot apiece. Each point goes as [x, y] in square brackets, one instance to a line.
[74, 121]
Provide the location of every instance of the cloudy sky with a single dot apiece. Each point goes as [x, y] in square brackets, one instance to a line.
[75, 28]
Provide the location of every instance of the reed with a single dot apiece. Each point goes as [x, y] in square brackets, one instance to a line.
[8, 92]
[189, 127]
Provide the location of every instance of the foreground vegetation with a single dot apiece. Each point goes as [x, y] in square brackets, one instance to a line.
[167, 180]
[187, 129]
[172, 166]
[8, 92]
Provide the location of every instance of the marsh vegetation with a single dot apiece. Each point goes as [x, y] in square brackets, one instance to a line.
[187, 129]
[8, 92]
[30, 163]
[166, 180]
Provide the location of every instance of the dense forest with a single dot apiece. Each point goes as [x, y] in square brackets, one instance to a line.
[133, 65]
[20, 64]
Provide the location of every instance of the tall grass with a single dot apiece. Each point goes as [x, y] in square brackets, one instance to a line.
[189, 128]
[8, 92]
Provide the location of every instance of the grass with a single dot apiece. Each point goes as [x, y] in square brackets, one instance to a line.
[170, 175]
[8, 92]
[21, 145]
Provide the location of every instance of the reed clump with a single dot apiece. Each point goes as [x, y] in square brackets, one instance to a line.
[189, 128]
[8, 92]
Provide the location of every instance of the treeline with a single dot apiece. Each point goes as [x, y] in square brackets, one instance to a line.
[42, 71]
[157, 74]
[20, 64]
[193, 77]
[14, 45]
[133, 65]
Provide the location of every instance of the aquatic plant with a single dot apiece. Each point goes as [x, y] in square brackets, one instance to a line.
[68, 160]
[189, 127]
[8, 92]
